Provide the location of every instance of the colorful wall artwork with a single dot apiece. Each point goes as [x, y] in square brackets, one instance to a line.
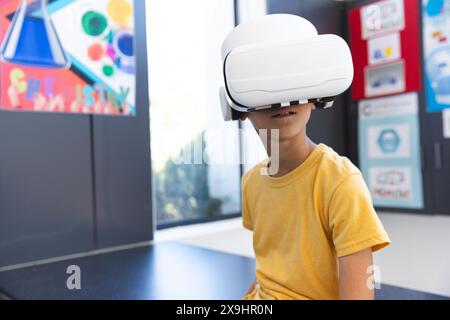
[70, 56]
[389, 151]
[436, 41]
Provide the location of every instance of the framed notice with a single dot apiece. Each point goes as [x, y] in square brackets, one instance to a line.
[389, 150]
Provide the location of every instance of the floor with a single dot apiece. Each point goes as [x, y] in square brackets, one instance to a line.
[163, 270]
[417, 259]
[168, 270]
[215, 261]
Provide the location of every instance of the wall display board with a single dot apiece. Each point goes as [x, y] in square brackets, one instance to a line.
[389, 150]
[384, 39]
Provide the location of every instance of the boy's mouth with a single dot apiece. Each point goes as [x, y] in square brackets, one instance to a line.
[283, 113]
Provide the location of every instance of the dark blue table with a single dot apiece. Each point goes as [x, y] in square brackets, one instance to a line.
[162, 271]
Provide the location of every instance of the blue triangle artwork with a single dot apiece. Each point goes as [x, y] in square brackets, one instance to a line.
[74, 56]
[32, 39]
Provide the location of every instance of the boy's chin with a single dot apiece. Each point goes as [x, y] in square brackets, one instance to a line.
[286, 134]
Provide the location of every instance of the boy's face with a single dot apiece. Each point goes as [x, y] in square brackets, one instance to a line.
[290, 121]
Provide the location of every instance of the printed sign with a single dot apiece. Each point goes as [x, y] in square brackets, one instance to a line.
[389, 150]
[385, 79]
[391, 183]
[388, 141]
[384, 49]
[382, 17]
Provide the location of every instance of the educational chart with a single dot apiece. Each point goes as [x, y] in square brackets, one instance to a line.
[389, 150]
[436, 41]
[71, 56]
[385, 48]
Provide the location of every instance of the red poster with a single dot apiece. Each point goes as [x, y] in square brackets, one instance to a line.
[384, 39]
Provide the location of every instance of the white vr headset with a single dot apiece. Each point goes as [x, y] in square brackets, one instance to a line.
[280, 60]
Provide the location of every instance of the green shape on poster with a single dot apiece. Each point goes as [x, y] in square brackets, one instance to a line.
[94, 23]
[108, 71]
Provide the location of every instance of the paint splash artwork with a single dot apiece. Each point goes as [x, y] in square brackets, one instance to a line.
[69, 56]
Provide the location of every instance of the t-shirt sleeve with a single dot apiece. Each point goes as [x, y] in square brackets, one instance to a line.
[247, 221]
[353, 221]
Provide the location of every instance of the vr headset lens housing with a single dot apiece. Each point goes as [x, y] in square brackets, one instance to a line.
[279, 73]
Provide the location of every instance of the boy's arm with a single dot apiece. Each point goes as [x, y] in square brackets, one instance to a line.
[252, 287]
[354, 276]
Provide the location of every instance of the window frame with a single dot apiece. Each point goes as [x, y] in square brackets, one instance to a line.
[185, 222]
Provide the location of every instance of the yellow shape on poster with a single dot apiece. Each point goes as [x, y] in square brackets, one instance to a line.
[17, 77]
[120, 11]
[388, 52]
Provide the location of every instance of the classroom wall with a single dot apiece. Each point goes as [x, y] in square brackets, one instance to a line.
[338, 126]
[73, 183]
[435, 165]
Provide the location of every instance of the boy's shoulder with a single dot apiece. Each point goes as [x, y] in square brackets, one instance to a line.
[338, 172]
[335, 164]
[254, 172]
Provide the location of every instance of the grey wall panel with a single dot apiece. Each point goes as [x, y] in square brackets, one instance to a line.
[122, 163]
[330, 125]
[285, 6]
[71, 183]
[45, 186]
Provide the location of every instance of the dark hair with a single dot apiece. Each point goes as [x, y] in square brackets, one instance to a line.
[236, 115]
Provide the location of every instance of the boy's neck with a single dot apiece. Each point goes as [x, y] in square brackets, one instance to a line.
[292, 153]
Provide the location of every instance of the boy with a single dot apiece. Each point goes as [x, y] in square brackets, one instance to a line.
[314, 226]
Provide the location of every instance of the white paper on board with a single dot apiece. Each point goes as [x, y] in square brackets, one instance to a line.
[399, 105]
[396, 136]
[384, 49]
[391, 183]
[385, 79]
[382, 17]
[446, 123]
[389, 152]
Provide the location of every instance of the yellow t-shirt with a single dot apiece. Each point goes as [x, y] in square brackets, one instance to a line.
[304, 221]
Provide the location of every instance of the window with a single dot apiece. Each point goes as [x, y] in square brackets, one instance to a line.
[195, 154]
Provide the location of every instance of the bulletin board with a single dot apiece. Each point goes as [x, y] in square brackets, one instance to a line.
[70, 56]
[389, 150]
[436, 42]
[384, 39]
